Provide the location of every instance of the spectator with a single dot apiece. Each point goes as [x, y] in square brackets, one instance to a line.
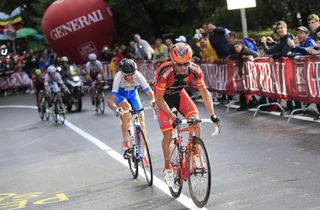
[304, 42]
[207, 53]
[181, 38]
[106, 54]
[217, 37]
[280, 49]
[160, 52]
[242, 51]
[232, 39]
[144, 49]
[116, 58]
[169, 44]
[314, 25]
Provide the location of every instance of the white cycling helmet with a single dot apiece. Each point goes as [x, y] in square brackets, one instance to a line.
[52, 69]
[64, 59]
[92, 56]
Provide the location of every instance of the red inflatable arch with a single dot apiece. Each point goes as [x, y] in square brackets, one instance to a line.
[77, 28]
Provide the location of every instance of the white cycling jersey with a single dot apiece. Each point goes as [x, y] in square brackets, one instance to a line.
[124, 88]
[52, 83]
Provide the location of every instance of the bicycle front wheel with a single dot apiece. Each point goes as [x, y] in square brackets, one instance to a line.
[199, 173]
[101, 105]
[146, 159]
[176, 166]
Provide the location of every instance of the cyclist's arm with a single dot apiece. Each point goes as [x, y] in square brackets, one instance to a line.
[111, 103]
[101, 69]
[206, 96]
[162, 104]
[145, 86]
[87, 69]
[114, 92]
[150, 95]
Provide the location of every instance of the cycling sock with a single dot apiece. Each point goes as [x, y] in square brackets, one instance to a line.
[125, 137]
[167, 164]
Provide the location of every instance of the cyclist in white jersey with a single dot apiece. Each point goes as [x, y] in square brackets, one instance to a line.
[94, 72]
[124, 95]
[52, 81]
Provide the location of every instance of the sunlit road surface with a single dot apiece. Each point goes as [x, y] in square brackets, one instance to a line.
[257, 163]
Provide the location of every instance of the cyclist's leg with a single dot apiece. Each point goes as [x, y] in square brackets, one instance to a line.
[93, 89]
[125, 119]
[166, 128]
[189, 110]
[135, 103]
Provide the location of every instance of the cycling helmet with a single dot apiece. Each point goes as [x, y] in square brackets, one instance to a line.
[64, 59]
[52, 69]
[37, 72]
[92, 56]
[180, 53]
[127, 66]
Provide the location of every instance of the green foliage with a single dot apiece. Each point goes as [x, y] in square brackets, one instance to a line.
[153, 18]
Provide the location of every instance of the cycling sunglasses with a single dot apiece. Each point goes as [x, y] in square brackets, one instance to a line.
[183, 64]
[128, 74]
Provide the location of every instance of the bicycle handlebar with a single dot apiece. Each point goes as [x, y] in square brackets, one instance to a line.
[194, 121]
[137, 111]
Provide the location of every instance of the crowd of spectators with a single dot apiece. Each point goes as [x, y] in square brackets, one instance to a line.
[210, 44]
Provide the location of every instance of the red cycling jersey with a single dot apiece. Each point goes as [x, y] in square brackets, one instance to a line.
[171, 85]
[168, 82]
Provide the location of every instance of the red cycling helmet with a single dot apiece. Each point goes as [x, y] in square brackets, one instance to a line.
[181, 53]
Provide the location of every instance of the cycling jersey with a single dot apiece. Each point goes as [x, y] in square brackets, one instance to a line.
[52, 84]
[171, 84]
[124, 90]
[94, 68]
[38, 82]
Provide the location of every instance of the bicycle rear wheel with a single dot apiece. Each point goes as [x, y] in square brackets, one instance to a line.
[147, 166]
[43, 108]
[176, 166]
[101, 105]
[199, 173]
[47, 113]
[132, 158]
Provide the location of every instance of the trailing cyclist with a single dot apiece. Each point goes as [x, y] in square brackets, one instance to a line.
[124, 96]
[52, 84]
[171, 79]
[94, 72]
[37, 85]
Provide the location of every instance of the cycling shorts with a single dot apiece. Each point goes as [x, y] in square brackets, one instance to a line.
[95, 75]
[183, 103]
[133, 99]
[54, 88]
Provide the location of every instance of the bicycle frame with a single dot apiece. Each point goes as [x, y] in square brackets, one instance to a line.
[134, 128]
[183, 157]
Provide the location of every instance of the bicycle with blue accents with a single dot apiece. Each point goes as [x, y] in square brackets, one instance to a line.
[139, 150]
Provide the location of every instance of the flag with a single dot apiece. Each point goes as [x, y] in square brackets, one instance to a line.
[14, 19]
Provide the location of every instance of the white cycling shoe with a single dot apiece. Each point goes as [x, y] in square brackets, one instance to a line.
[169, 177]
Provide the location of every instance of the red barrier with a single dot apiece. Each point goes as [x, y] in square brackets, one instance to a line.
[284, 78]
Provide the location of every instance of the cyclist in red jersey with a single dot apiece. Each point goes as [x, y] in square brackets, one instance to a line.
[171, 79]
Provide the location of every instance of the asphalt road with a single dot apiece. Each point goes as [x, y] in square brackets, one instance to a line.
[257, 163]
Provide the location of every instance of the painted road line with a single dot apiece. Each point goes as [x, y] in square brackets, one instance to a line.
[183, 199]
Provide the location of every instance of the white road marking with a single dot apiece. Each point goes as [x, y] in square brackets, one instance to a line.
[183, 199]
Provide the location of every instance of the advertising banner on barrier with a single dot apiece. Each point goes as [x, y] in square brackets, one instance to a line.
[312, 78]
[266, 77]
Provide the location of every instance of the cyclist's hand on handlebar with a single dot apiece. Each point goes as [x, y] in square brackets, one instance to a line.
[118, 111]
[153, 104]
[175, 122]
[215, 119]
